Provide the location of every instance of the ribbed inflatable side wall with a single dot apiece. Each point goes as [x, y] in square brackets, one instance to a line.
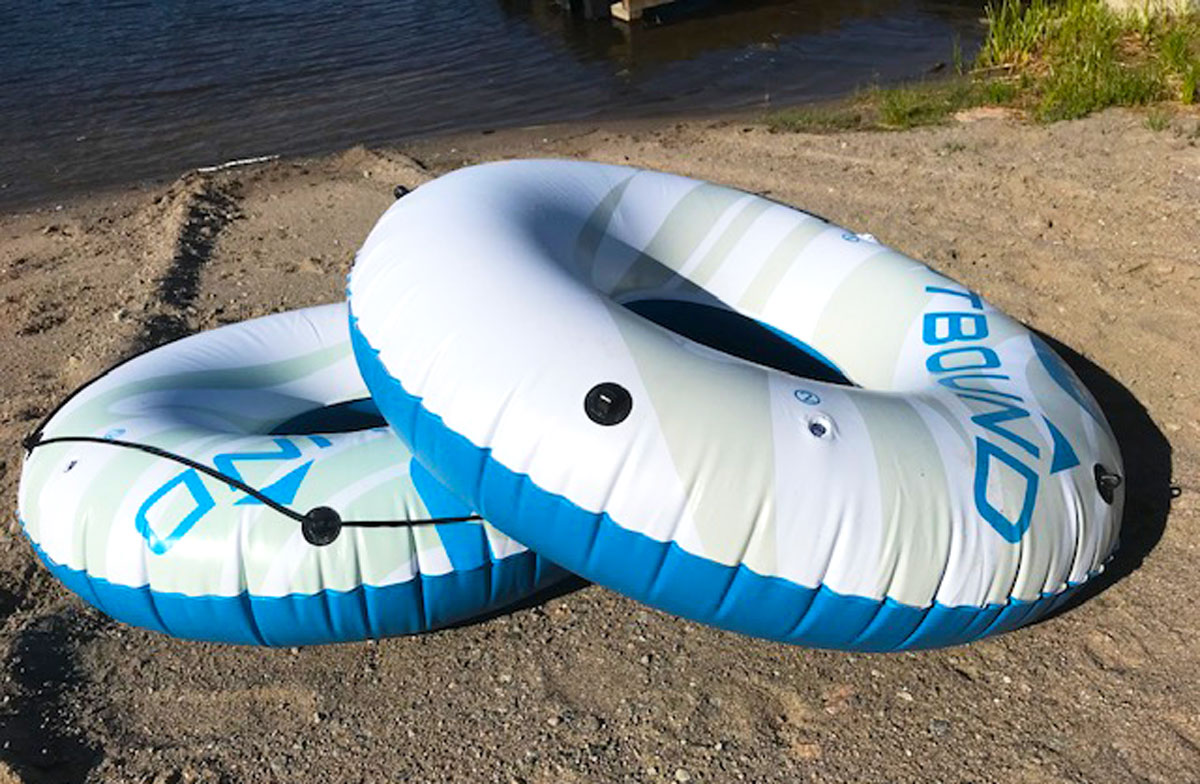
[734, 598]
[138, 530]
[426, 603]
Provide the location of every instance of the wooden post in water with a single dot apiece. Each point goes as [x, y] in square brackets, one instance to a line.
[628, 10]
[589, 9]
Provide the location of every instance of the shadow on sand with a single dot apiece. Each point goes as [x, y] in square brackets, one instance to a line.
[568, 585]
[1147, 457]
[37, 739]
[38, 746]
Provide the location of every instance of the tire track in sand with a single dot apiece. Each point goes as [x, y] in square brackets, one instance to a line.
[207, 209]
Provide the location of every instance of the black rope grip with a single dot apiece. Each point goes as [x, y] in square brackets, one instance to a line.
[320, 526]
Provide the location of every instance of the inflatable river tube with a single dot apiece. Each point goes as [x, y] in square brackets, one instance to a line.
[176, 492]
[730, 409]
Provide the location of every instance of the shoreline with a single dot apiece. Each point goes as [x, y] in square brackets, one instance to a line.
[463, 137]
[1085, 230]
[528, 138]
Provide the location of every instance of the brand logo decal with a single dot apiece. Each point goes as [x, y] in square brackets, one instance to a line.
[281, 491]
[960, 359]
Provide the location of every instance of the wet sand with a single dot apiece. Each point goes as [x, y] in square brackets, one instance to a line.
[1088, 231]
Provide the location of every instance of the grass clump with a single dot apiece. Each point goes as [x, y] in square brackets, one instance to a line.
[924, 104]
[825, 118]
[892, 108]
[880, 108]
[1079, 56]
[1016, 32]
[1050, 59]
[1158, 119]
[1178, 50]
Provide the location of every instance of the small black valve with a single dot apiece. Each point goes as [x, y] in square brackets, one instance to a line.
[1107, 482]
[321, 526]
[608, 404]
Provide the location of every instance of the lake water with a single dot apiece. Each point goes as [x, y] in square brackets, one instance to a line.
[100, 92]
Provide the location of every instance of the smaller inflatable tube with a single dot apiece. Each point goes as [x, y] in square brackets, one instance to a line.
[731, 409]
[277, 405]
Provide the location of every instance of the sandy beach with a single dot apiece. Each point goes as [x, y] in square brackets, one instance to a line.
[1088, 231]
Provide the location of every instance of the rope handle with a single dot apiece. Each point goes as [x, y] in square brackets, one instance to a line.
[320, 525]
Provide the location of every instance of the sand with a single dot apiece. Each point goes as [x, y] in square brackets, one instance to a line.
[1088, 231]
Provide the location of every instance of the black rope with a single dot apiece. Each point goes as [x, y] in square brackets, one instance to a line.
[35, 438]
[320, 525]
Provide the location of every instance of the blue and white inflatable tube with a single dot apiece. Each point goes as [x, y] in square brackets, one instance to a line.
[126, 496]
[731, 409]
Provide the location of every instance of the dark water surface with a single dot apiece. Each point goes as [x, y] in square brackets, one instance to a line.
[100, 92]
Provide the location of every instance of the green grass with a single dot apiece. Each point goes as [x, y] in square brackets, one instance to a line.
[924, 104]
[884, 108]
[1048, 59]
[821, 118]
[1000, 92]
[1158, 119]
[1178, 51]
[1080, 56]
[1015, 32]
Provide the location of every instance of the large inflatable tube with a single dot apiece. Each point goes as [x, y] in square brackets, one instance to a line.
[176, 492]
[875, 458]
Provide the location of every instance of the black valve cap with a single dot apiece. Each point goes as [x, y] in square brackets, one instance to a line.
[321, 526]
[30, 442]
[400, 191]
[608, 404]
[1107, 482]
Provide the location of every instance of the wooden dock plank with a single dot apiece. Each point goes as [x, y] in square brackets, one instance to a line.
[628, 10]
